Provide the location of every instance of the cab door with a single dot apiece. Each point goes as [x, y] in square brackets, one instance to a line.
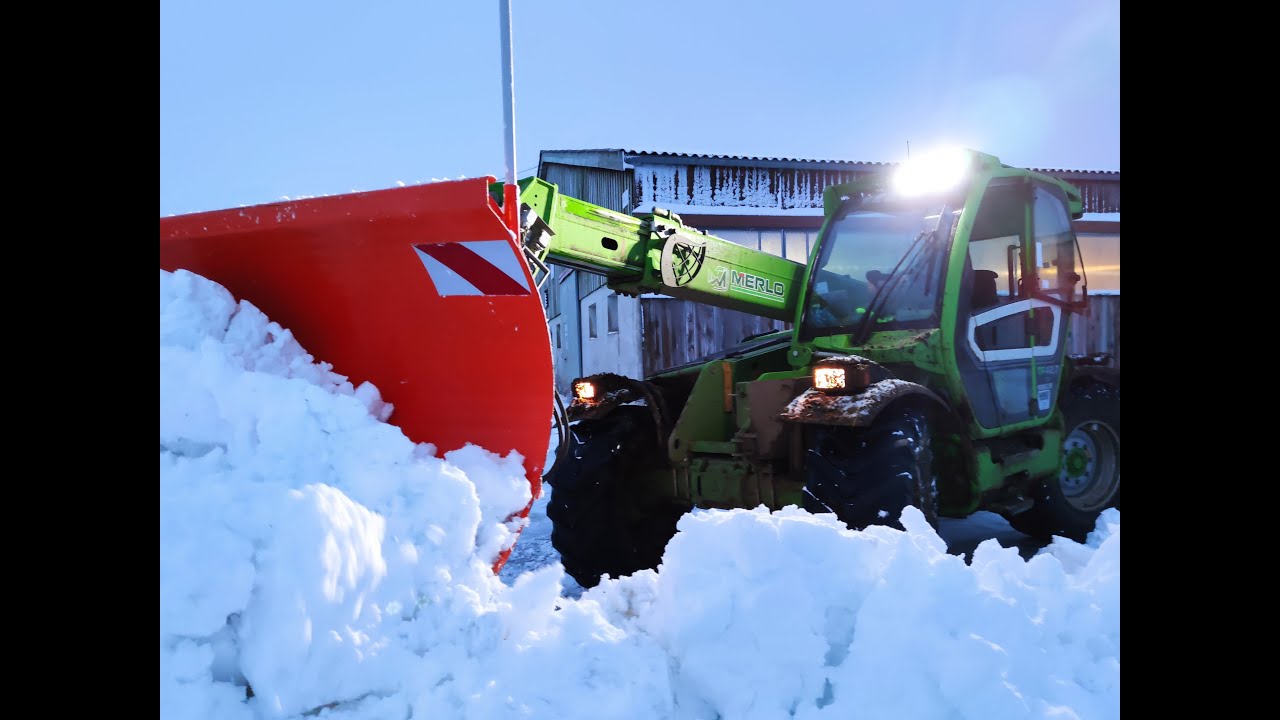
[1011, 334]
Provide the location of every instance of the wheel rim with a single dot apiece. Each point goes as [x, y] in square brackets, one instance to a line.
[1090, 473]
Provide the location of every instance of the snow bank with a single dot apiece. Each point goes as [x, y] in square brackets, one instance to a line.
[311, 551]
[773, 615]
[300, 536]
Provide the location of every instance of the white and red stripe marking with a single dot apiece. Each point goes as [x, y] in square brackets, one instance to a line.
[474, 267]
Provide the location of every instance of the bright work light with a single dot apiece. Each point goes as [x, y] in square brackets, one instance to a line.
[935, 172]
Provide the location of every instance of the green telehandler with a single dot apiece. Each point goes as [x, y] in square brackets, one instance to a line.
[925, 366]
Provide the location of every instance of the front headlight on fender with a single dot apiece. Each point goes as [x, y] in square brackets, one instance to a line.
[584, 391]
[828, 378]
[842, 376]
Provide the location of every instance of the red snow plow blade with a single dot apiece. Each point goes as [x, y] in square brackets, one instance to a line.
[422, 291]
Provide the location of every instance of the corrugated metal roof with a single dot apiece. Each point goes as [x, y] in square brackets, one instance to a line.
[752, 158]
[1100, 173]
[745, 159]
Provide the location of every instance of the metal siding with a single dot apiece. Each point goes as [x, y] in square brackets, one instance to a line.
[607, 188]
[589, 283]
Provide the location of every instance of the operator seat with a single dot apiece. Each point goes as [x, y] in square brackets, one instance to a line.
[984, 289]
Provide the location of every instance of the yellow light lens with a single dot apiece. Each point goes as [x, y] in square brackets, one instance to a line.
[828, 378]
[584, 390]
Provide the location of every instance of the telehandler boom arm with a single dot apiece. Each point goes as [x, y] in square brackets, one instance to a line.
[656, 253]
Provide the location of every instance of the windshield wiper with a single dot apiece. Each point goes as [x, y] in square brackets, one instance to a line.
[882, 293]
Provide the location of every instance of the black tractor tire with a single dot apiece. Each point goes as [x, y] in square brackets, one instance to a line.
[867, 476]
[1068, 503]
[598, 525]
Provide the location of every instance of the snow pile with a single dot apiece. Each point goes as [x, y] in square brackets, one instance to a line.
[312, 552]
[300, 536]
[789, 614]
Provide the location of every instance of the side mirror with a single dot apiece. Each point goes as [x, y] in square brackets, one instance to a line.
[1015, 282]
[1082, 305]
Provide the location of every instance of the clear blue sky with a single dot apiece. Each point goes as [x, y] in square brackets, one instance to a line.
[260, 100]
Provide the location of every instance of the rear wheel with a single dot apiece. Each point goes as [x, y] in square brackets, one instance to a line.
[1088, 481]
[599, 525]
[867, 476]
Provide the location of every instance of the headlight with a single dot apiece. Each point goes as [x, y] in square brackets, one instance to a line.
[842, 375]
[828, 378]
[584, 390]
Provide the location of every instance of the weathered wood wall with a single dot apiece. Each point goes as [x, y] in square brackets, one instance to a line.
[676, 332]
[679, 331]
[1099, 331]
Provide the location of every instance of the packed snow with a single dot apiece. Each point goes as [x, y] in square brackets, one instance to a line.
[311, 552]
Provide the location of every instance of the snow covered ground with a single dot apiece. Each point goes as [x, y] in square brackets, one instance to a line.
[962, 537]
[310, 551]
